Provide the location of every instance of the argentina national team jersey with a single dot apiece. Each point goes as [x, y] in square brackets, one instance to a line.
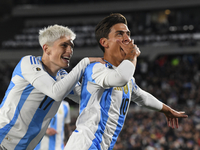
[26, 110]
[102, 110]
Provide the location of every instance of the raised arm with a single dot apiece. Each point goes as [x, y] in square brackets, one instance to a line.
[120, 75]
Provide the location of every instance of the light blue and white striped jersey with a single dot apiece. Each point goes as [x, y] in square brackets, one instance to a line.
[56, 142]
[105, 97]
[32, 99]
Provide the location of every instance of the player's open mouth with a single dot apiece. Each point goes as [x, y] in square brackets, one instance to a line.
[66, 58]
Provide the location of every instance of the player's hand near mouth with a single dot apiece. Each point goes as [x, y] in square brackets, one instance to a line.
[130, 49]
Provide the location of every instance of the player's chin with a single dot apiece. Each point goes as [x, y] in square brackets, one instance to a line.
[64, 65]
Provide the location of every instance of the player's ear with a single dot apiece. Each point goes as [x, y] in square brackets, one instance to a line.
[46, 49]
[104, 42]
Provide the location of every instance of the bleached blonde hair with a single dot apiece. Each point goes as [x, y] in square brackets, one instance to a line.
[52, 33]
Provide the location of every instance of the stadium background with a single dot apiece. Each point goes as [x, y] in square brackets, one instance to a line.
[168, 35]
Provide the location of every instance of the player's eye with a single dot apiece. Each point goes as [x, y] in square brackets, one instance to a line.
[65, 45]
[119, 33]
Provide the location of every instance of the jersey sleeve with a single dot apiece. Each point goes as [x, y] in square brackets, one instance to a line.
[143, 98]
[119, 76]
[31, 68]
[33, 72]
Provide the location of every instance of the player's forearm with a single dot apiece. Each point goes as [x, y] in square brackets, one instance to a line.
[121, 76]
[133, 60]
[147, 100]
[133, 54]
[58, 90]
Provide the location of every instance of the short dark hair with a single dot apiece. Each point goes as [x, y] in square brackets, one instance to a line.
[103, 27]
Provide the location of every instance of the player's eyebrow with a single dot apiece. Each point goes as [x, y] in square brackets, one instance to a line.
[69, 43]
[121, 31]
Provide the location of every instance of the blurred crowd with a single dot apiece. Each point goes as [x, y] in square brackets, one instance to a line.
[174, 80]
[149, 131]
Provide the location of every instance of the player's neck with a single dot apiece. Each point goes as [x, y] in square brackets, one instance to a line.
[50, 68]
[111, 60]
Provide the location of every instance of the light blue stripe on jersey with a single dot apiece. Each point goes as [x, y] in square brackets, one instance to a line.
[135, 86]
[36, 120]
[105, 106]
[123, 111]
[85, 94]
[52, 139]
[7, 128]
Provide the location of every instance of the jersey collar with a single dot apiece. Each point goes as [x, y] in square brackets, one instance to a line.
[109, 65]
